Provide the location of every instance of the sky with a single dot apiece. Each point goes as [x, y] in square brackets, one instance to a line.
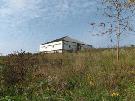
[25, 24]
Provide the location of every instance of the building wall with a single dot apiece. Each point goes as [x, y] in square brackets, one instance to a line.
[52, 47]
[86, 46]
[72, 46]
[69, 46]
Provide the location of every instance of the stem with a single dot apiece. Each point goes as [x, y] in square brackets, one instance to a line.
[118, 35]
[118, 51]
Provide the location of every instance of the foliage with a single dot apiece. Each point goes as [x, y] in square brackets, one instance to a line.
[83, 76]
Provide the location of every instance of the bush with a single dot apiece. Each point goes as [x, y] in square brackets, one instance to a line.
[18, 68]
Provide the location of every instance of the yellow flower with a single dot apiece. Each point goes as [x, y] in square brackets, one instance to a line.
[115, 94]
[90, 80]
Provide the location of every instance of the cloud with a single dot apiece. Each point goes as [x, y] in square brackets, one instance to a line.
[23, 10]
[17, 4]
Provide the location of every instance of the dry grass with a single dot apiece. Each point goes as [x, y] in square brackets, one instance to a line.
[92, 75]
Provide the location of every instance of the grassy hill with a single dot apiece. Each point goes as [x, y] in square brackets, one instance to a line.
[92, 75]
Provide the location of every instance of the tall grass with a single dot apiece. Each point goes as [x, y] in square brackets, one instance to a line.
[92, 75]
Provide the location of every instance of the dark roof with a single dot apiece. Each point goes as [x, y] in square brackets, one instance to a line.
[64, 39]
[56, 40]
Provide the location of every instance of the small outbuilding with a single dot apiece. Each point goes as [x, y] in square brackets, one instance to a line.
[63, 44]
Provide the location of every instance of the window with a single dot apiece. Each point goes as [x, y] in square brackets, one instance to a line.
[58, 44]
[69, 46]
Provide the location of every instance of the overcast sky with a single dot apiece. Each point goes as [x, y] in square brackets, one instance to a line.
[25, 24]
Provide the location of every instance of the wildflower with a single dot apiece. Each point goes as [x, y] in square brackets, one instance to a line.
[90, 80]
[91, 83]
[115, 94]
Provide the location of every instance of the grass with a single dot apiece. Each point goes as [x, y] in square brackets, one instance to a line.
[92, 75]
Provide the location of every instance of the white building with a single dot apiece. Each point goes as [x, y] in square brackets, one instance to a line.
[63, 44]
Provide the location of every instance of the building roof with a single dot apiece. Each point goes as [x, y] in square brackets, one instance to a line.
[56, 40]
[65, 38]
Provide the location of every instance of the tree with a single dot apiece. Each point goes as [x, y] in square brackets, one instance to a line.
[120, 13]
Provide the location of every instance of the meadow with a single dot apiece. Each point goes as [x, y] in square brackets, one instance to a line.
[92, 75]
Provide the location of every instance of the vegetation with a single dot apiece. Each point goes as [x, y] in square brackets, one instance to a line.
[84, 76]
